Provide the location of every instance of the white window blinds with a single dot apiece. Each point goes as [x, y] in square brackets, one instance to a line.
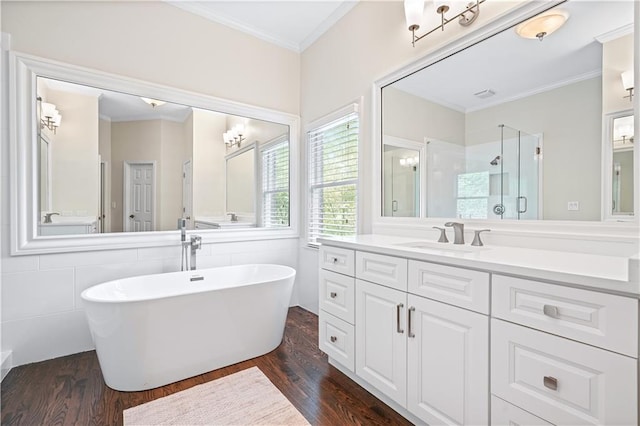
[333, 177]
[275, 184]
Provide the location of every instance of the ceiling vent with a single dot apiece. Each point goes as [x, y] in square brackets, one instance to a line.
[485, 94]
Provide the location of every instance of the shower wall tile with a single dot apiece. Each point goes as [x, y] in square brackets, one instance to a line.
[87, 276]
[35, 293]
[102, 257]
[46, 337]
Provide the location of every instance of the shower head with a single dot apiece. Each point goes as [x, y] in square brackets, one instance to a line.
[494, 162]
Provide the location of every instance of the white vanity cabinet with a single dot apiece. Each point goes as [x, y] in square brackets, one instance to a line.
[428, 357]
[443, 344]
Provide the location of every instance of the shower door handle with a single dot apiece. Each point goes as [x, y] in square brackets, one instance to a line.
[394, 206]
[526, 204]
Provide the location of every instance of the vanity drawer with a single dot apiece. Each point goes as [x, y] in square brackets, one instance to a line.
[337, 339]
[457, 286]
[505, 414]
[604, 320]
[337, 259]
[380, 269]
[565, 382]
[337, 294]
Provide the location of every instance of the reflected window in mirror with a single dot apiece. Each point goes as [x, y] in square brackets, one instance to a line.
[116, 162]
[521, 136]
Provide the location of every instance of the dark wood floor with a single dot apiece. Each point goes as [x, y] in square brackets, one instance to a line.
[70, 390]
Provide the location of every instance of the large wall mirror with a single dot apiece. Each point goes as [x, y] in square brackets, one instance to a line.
[514, 127]
[97, 157]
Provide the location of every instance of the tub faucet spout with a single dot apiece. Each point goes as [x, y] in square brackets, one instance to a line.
[196, 244]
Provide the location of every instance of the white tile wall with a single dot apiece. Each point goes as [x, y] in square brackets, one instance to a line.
[42, 312]
[30, 294]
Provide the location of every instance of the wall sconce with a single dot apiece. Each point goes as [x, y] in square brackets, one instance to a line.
[414, 9]
[234, 136]
[627, 83]
[153, 102]
[542, 25]
[49, 116]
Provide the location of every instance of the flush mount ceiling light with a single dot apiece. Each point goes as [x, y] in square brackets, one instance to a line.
[542, 25]
[414, 9]
[153, 102]
[627, 83]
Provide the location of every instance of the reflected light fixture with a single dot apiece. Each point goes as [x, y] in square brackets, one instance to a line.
[153, 102]
[627, 83]
[234, 136]
[49, 116]
[542, 25]
[414, 10]
[409, 161]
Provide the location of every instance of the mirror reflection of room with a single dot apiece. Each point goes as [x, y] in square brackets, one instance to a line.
[113, 162]
[521, 136]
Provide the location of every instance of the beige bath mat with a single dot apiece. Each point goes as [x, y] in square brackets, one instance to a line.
[244, 398]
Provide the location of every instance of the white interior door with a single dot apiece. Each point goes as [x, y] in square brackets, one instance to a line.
[140, 197]
[187, 193]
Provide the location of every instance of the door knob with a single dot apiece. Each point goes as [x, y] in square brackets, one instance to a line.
[131, 216]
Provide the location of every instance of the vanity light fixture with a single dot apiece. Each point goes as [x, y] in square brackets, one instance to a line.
[542, 25]
[153, 102]
[49, 116]
[627, 83]
[409, 161]
[234, 136]
[414, 9]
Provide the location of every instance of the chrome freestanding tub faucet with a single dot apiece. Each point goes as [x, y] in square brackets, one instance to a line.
[458, 232]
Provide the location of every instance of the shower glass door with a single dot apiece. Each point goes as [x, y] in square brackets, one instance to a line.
[514, 188]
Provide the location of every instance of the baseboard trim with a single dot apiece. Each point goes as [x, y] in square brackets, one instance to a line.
[5, 364]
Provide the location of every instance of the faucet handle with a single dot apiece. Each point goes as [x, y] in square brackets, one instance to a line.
[476, 237]
[443, 234]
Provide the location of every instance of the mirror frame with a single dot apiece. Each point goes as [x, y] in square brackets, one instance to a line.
[625, 232]
[23, 170]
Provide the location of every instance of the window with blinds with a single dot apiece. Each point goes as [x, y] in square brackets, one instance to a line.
[275, 184]
[333, 177]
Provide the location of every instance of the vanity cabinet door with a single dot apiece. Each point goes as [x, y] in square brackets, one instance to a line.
[381, 347]
[448, 363]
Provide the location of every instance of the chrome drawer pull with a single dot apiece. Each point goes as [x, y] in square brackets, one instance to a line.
[333, 339]
[398, 308]
[550, 311]
[410, 333]
[333, 294]
[334, 260]
[550, 382]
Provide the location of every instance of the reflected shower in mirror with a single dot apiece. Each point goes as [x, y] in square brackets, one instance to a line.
[122, 163]
[513, 127]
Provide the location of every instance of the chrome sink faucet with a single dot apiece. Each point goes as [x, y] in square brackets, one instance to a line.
[47, 217]
[234, 217]
[458, 232]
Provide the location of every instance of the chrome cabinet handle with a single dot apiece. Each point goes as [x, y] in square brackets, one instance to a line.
[550, 382]
[550, 311]
[333, 294]
[398, 308]
[409, 332]
[334, 260]
[333, 339]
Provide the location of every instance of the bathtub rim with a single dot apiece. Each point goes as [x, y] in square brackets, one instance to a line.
[291, 273]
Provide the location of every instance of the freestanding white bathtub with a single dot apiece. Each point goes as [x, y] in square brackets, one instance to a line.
[153, 330]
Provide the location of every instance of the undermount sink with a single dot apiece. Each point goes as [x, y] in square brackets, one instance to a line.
[427, 245]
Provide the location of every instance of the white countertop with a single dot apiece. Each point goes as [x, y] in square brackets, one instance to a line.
[609, 274]
[70, 220]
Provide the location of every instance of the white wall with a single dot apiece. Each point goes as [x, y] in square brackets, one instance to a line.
[104, 150]
[41, 313]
